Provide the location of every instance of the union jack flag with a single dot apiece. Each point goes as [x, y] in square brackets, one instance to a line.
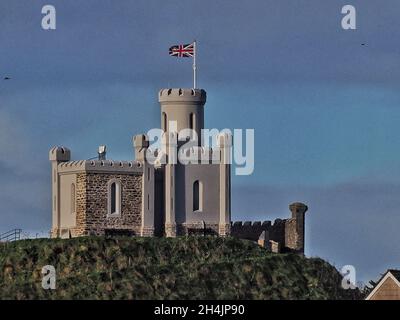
[182, 50]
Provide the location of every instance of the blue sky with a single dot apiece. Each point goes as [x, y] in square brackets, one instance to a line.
[325, 108]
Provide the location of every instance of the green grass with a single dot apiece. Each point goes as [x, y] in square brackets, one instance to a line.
[163, 268]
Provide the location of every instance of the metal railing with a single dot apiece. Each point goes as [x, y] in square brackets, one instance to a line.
[12, 235]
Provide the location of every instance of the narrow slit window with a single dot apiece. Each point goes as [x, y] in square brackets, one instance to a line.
[164, 121]
[197, 196]
[191, 121]
[114, 197]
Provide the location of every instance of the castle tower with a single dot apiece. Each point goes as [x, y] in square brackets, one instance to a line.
[180, 109]
[197, 194]
[185, 107]
[140, 145]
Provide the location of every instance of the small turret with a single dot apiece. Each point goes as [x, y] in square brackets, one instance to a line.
[140, 144]
[56, 156]
[295, 228]
[59, 154]
[298, 209]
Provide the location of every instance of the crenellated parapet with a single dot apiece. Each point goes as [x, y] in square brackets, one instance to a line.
[182, 109]
[182, 95]
[252, 230]
[285, 235]
[203, 155]
[100, 166]
[172, 152]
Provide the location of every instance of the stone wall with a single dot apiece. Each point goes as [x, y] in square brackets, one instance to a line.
[252, 230]
[295, 228]
[92, 209]
[81, 183]
[287, 234]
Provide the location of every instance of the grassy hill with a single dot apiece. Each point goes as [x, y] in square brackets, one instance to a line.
[163, 268]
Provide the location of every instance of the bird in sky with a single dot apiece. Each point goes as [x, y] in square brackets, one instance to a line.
[7, 78]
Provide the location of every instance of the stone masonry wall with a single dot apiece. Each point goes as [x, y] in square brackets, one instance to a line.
[92, 207]
[81, 183]
[292, 238]
[294, 228]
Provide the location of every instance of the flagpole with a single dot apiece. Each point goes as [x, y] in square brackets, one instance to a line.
[194, 65]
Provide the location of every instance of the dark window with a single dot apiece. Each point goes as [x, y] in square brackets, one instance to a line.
[197, 195]
[164, 121]
[113, 197]
[191, 121]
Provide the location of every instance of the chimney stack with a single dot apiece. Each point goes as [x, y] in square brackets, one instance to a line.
[102, 152]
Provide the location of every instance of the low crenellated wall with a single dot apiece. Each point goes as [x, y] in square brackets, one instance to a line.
[288, 234]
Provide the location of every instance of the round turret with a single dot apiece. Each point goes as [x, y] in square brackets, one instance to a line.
[183, 107]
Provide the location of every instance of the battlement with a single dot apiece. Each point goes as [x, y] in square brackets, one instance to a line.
[256, 224]
[204, 154]
[184, 96]
[286, 235]
[253, 230]
[193, 154]
[105, 166]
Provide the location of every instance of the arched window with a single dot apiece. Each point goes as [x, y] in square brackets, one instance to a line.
[197, 196]
[114, 197]
[73, 198]
[164, 121]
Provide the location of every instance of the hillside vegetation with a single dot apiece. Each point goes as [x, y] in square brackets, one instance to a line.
[163, 268]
